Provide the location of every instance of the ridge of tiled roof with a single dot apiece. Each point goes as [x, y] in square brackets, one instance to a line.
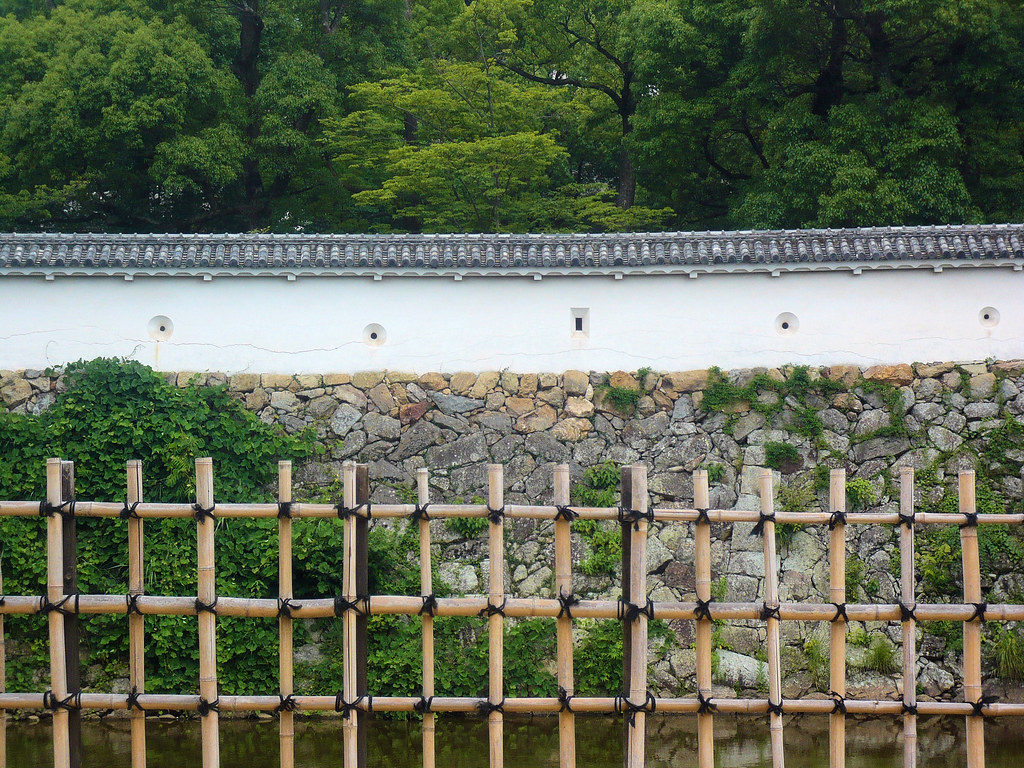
[52, 253]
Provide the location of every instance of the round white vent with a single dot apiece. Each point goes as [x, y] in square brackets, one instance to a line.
[989, 317]
[786, 324]
[160, 328]
[374, 335]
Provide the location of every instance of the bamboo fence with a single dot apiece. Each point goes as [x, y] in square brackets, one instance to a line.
[634, 610]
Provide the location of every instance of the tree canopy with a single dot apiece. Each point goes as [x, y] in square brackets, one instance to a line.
[508, 115]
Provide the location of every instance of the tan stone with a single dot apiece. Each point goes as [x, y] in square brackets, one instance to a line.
[848, 375]
[571, 430]
[399, 394]
[17, 391]
[541, 419]
[244, 382]
[461, 383]
[528, 384]
[433, 380]
[646, 406]
[685, 381]
[847, 401]
[485, 382]
[382, 398]
[974, 369]
[575, 382]
[554, 396]
[982, 385]
[1009, 366]
[349, 394]
[412, 412]
[279, 381]
[622, 380]
[932, 370]
[896, 375]
[579, 407]
[186, 377]
[519, 405]
[367, 379]
[509, 382]
[334, 379]
[309, 381]
[547, 381]
[257, 400]
[739, 406]
[401, 377]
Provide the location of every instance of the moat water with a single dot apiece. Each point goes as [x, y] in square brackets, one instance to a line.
[741, 742]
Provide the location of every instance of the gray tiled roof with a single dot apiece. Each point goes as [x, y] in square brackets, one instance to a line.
[491, 254]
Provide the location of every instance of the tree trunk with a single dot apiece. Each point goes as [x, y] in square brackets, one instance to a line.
[828, 87]
[627, 175]
[245, 68]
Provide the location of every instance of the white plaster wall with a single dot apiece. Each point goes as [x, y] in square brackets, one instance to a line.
[668, 322]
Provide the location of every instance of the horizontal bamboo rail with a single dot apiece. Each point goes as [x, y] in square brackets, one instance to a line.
[634, 610]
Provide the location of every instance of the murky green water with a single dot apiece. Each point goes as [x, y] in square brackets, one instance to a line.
[741, 742]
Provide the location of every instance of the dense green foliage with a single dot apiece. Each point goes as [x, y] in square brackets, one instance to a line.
[508, 115]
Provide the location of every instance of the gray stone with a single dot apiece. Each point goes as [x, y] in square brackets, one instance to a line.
[944, 439]
[283, 400]
[417, 439]
[927, 411]
[545, 447]
[454, 404]
[880, 446]
[470, 449]
[344, 419]
[981, 410]
[739, 671]
[872, 421]
[383, 427]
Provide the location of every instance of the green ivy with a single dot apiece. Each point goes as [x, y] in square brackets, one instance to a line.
[780, 455]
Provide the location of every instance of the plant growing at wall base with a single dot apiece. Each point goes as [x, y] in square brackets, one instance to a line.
[781, 456]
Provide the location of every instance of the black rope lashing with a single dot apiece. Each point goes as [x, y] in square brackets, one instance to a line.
[564, 700]
[420, 513]
[763, 518]
[702, 516]
[129, 511]
[493, 610]
[202, 607]
[201, 513]
[285, 606]
[429, 607]
[837, 518]
[838, 703]
[133, 699]
[423, 705]
[70, 702]
[566, 604]
[703, 609]
[979, 611]
[630, 612]
[707, 704]
[46, 607]
[46, 509]
[906, 519]
[635, 516]
[208, 707]
[360, 605]
[907, 612]
[344, 513]
[495, 515]
[775, 708]
[286, 703]
[566, 513]
[630, 708]
[909, 709]
[284, 511]
[971, 520]
[131, 602]
[770, 612]
[980, 705]
[485, 708]
[3, 601]
[840, 611]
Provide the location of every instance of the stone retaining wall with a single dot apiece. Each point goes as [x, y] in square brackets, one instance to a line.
[937, 417]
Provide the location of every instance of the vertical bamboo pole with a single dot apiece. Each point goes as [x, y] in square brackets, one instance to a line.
[207, 619]
[771, 601]
[638, 592]
[702, 556]
[286, 657]
[426, 588]
[72, 632]
[972, 629]
[362, 587]
[563, 588]
[496, 622]
[136, 622]
[351, 724]
[909, 597]
[837, 592]
[3, 681]
[626, 502]
[54, 592]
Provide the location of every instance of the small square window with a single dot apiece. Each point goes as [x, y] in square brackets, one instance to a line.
[580, 328]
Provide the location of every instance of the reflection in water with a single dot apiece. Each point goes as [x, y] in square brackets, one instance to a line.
[741, 742]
